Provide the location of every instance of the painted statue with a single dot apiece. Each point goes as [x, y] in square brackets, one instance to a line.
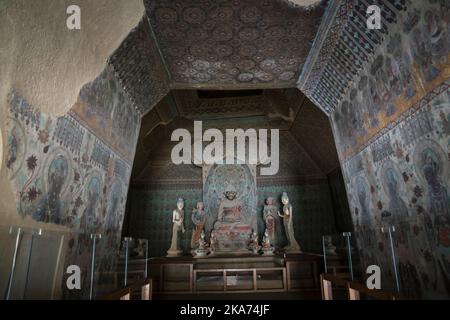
[202, 246]
[212, 242]
[253, 242]
[178, 220]
[198, 218]
[267, 247]
[270, 217]
[288, 223]
[230, 208]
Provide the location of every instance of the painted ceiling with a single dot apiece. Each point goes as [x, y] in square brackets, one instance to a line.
[344, 45]
[318, 46]
[233, 43]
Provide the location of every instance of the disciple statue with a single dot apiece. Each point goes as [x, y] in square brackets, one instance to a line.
[230, 208]
[270, 217]
[267, 247]
[178, 220]
[198, 218]
[288, 222]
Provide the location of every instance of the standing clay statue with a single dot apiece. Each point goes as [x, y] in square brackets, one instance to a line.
[198, 218]
[288, 223]
[178, 225]
[270, 217]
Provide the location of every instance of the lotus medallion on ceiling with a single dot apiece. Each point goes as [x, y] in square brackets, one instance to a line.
[233, 43]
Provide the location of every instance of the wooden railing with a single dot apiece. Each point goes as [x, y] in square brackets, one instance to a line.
[144, 286]
[354, 289]
[224, 273]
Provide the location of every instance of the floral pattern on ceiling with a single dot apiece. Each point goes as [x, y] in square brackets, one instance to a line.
[240, 42]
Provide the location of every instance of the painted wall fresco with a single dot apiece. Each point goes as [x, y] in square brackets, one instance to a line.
[74, 170]
[411, 62]
[392, 133]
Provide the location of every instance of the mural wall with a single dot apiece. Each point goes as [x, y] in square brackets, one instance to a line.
[392, 134]
[74, 170]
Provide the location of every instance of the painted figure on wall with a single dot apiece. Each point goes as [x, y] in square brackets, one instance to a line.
[177, 228]
[362, 198]
[49, 208]
[112, 219]
[198, 218]
[396, 207]
[422, 55]
[437, 196]
[89, 221]
[12, 147]
[288, 222]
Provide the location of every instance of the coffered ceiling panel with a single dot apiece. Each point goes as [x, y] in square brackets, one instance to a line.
[234, 43]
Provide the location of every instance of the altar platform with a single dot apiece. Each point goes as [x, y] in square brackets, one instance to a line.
[235, 274]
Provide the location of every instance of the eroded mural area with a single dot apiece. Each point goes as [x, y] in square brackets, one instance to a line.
[412, 61]
[74, 170]
[392, 133]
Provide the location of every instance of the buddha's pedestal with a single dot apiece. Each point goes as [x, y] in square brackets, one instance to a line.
[232, 237]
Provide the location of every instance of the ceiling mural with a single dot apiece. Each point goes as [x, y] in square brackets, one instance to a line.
[304, 3]
[139, 68]
[344, 45]
[239, 43]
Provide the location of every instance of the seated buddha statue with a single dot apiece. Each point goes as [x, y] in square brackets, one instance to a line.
[230, 208]
[231, 228]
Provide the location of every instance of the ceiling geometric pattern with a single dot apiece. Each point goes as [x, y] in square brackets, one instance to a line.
[233, 42]
[341, 50]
